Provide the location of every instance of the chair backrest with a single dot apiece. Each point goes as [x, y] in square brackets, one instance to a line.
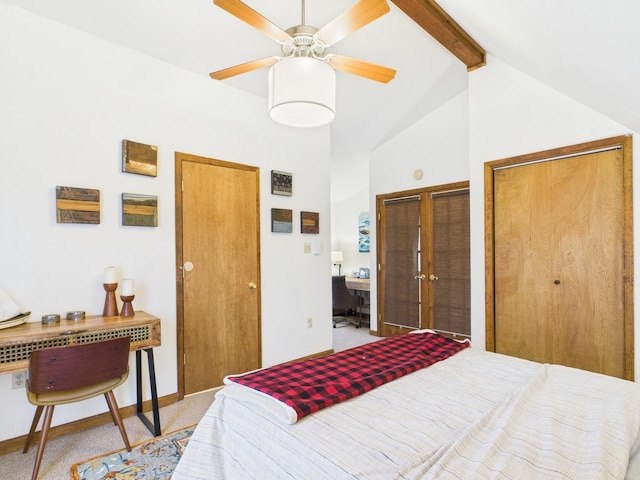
[72, 366]
[342, 298]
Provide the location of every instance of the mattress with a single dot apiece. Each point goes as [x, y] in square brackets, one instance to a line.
[474, 415]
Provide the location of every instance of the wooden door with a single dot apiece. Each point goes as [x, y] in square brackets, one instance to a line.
[424, 234]
[217, 217]
[400, 275]
[450, 270]
[560, 261]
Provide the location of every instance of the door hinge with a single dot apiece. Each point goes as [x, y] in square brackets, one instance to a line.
[184, 359]
[182, 185]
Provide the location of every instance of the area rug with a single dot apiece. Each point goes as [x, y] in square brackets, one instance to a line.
[154, 459]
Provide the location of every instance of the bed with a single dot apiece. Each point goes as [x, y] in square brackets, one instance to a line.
[468, 415]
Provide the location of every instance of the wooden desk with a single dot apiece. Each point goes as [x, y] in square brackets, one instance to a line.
[360, 284]
[361, 287]
[16, 344]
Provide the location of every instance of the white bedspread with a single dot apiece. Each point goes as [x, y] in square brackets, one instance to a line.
[476, 415]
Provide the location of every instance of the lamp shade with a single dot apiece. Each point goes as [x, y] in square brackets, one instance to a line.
[302, 92]
[337, 257]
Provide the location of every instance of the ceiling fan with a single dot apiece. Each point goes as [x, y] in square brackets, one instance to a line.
[307, 41]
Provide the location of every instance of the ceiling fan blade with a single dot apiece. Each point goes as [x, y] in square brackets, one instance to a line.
[250, 16]
[361, 68]
[357, 16]
[243, 68]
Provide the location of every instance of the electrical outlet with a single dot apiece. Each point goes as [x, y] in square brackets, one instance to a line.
[18, 379]
[309, 322]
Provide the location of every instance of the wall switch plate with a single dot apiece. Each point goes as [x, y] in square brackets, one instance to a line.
[18, 380]
[309, 322]
[307, 248]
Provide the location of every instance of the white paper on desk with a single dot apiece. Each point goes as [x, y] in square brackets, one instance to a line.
[8, 308]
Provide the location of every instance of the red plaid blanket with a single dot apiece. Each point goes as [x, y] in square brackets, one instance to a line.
[310, 385]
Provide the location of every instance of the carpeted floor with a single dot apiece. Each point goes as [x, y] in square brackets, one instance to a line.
[61, 453]
[346, 335]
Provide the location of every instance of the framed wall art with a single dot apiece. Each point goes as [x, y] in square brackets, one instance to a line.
[139, 210]
[309, 222]
[139, 158]
[281, 220]
[77, 205]
[281, 183]
[364, 231]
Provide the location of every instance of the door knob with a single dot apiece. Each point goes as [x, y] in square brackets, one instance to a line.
[252, 285]
[422, 276]
[432, 277]
[187, 267]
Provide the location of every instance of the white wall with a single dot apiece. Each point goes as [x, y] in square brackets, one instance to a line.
[512, 114]
[68, 101]
[438, 145]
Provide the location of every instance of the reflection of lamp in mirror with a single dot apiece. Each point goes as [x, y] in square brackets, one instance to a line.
[336, 259]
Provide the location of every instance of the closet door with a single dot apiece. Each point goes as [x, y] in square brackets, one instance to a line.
[449, 271]
[423, 260]
[401, 275]
[559, 262]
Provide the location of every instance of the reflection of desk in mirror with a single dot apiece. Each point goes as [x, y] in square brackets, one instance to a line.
[361, 288]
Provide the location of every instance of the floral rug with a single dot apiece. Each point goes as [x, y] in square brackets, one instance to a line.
[154, 459]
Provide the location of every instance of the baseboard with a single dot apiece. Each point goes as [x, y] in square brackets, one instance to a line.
[17, 443]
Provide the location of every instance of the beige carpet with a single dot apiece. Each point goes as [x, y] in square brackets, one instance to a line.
[61, 453]
[346, 335]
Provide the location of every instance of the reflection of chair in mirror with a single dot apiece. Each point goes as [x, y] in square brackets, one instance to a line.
[345, 303]
[60, 375]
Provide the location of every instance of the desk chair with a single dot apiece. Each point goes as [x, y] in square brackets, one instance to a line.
[344, 302]
[68, 374]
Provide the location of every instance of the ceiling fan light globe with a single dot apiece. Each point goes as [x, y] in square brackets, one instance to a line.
[302, 92]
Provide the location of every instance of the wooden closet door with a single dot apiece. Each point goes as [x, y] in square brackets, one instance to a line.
[423, 234]
[559, 262]
[450, 270]
[401, 285]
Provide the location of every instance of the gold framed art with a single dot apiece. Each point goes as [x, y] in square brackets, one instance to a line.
[139, 158]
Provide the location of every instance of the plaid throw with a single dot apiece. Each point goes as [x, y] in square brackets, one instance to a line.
[310, 385]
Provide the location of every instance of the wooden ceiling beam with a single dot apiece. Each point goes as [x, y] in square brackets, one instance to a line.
[437, 23]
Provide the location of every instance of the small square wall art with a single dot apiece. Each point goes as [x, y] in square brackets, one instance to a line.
[77, 205]
[281, 183]
[281, 220]
[309, 222]
[139, 210]
[139, 158]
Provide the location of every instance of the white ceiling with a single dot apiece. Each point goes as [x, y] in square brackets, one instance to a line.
[587, 49]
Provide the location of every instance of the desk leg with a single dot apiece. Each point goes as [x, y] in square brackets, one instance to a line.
[155, 426]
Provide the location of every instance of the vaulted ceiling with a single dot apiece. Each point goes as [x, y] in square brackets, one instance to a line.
[586, 49]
